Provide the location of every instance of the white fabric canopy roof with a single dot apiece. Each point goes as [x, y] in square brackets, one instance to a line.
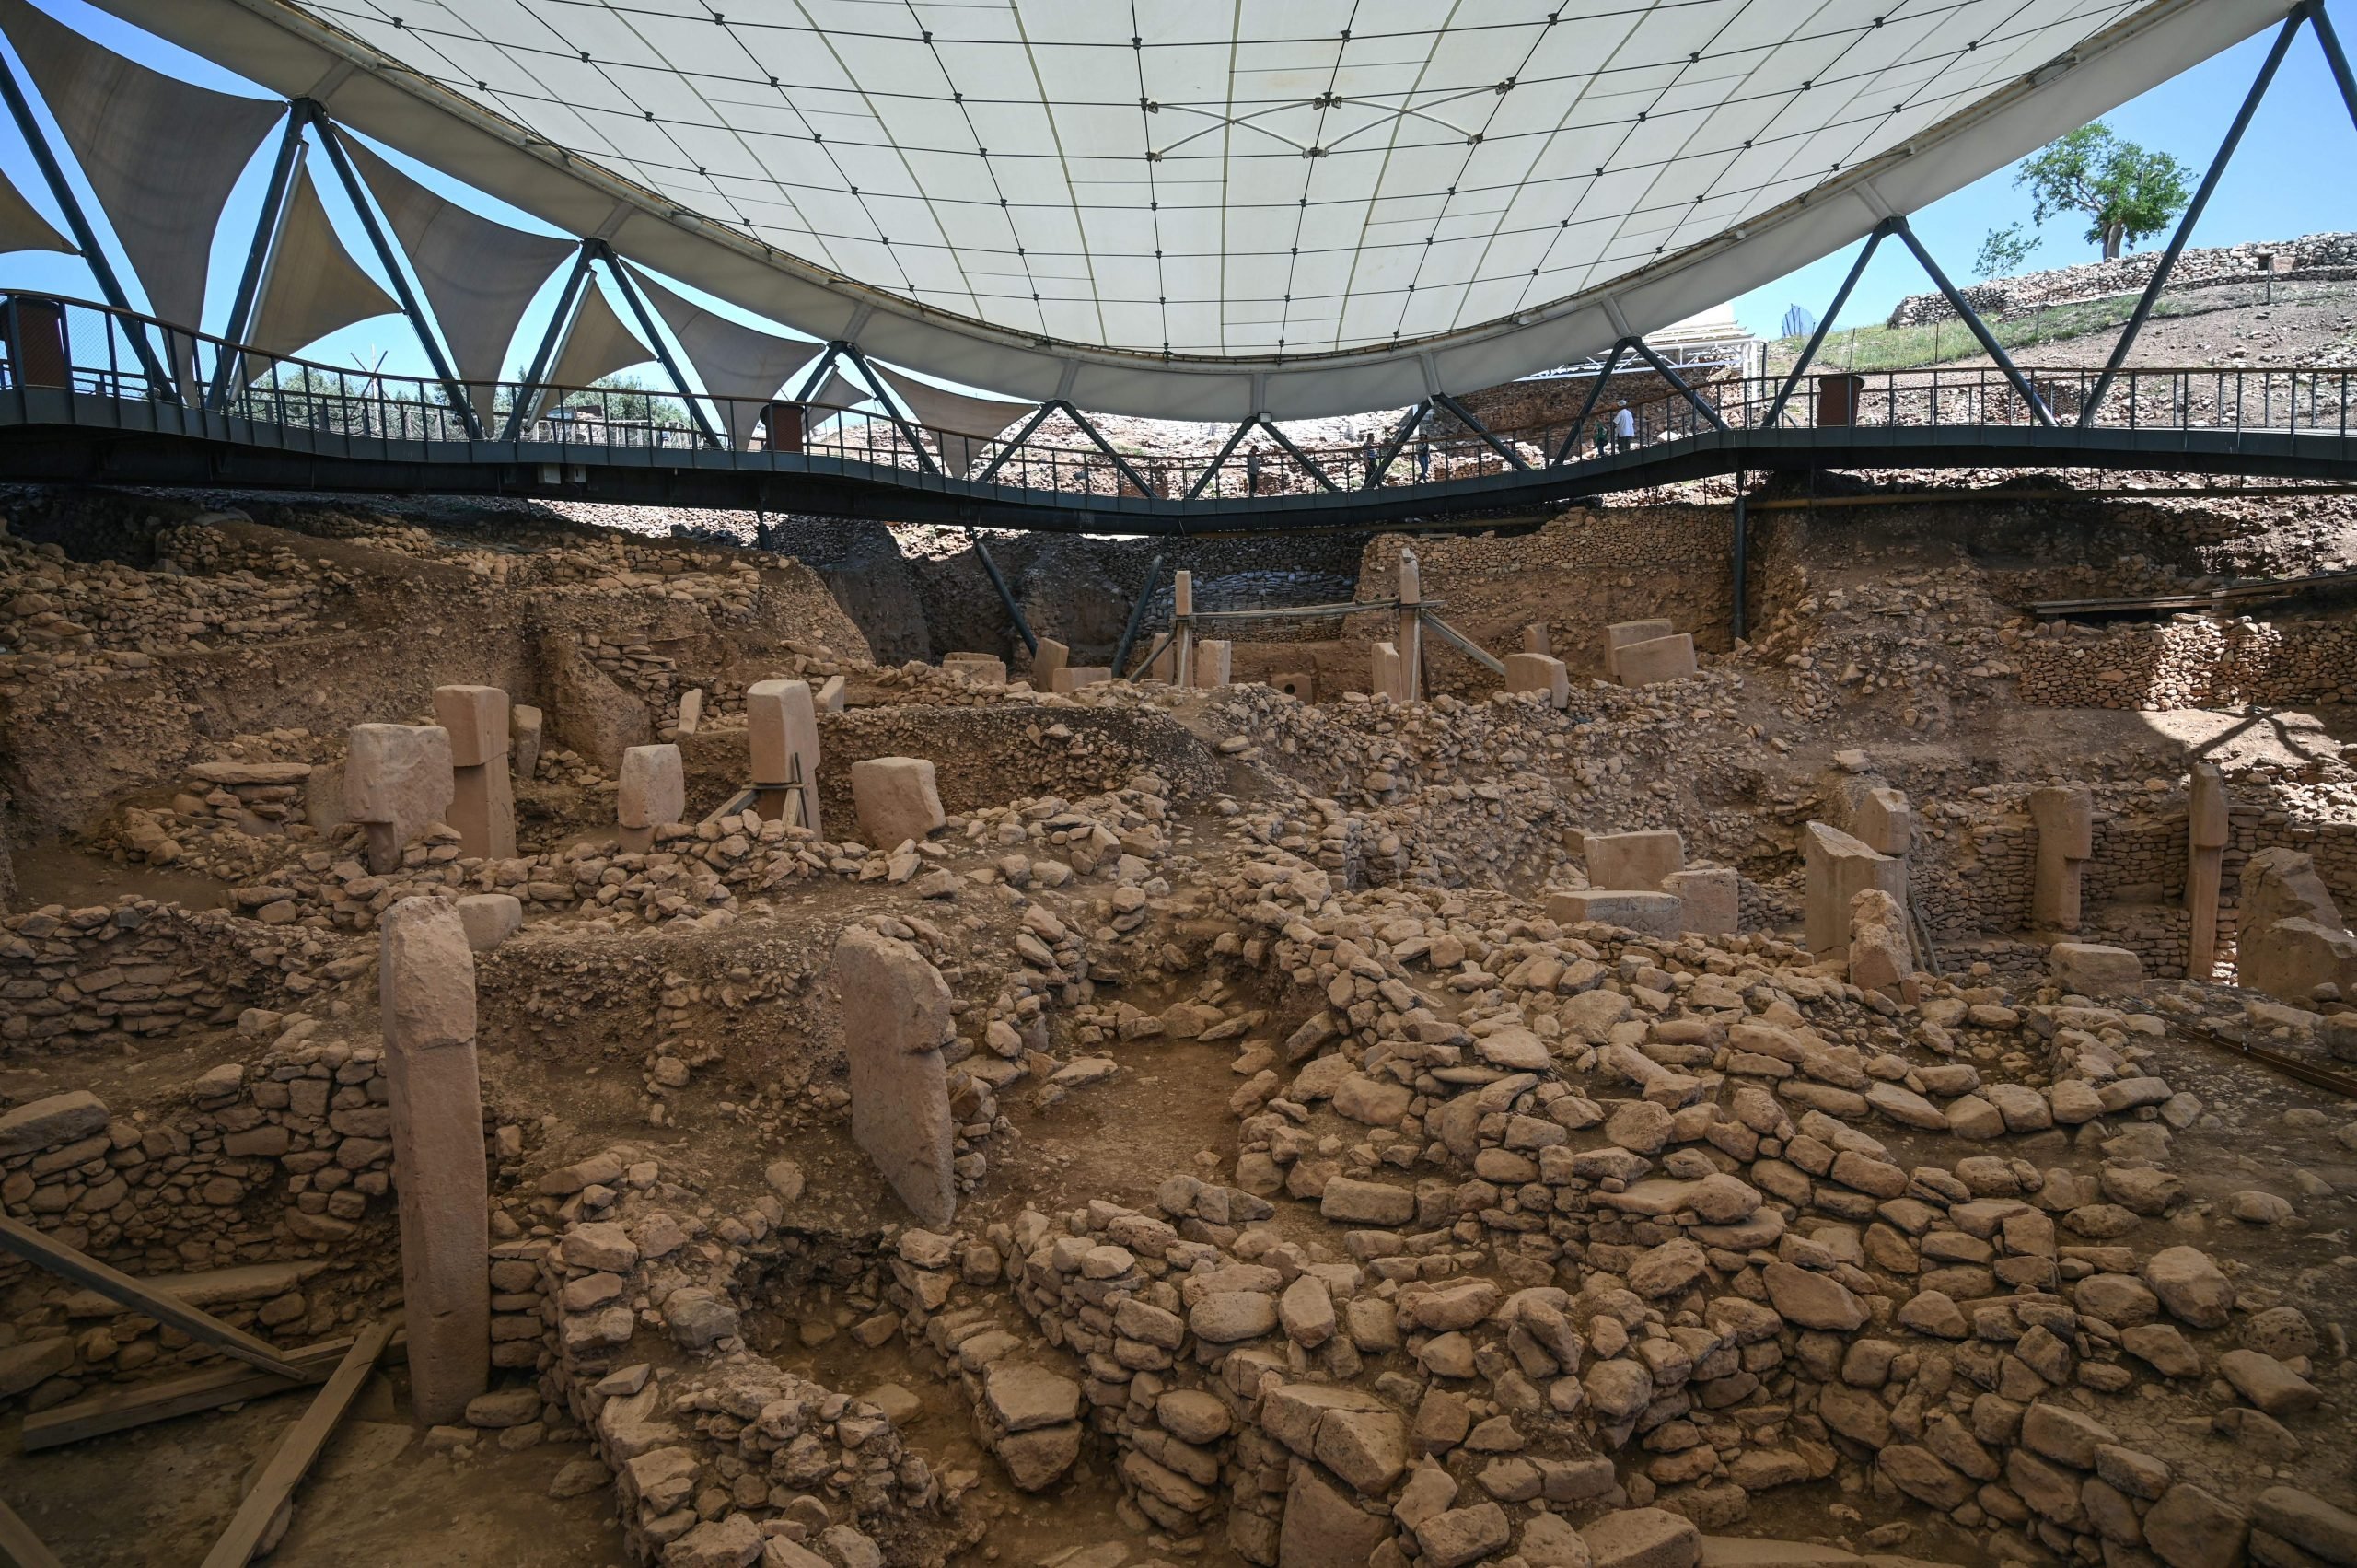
[23, 229]
[313, 285]
[742, 367]
[478, 275]
[596, 346]
[161, 154]
[1195, 210]
[961, 424]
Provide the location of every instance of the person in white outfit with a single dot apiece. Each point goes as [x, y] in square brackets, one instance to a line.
[1624, 428]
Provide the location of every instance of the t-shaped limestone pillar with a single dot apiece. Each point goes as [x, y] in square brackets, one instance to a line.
[397, 781]
[896, 799]
[482, 801]
[1182, 618]
[1214, 662]
[1534, 638]
[653, 793]
[1049, 657]
[1840, 868]
[1643, 859]
[1388, 680]
[2065, 816]
[427, 1002]
[1409, 638]
[1884, 822]
[896, 1017]
[782, 719]
[2205, 849]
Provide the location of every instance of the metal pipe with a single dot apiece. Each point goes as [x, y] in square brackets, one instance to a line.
[1475, 425]
[1104, 446]
[1661, 367]
[1399, 439]
[1137, 615]
[159, 380]
[2330, 42]
[267, 226]
[1235, 437]
[1825, 324]
[332, 142]
[1005, 594]
[620, 275]
[1038, 417]
[1595, 396]
[1458, 640]
[2192, 215]
[1963, 307]
[908, 433]
[559, 331]
[1298, 454]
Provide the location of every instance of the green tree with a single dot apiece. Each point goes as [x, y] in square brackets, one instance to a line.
[2002, 251]
[2127, 191]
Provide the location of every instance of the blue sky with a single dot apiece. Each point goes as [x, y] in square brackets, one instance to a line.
[2289, 177]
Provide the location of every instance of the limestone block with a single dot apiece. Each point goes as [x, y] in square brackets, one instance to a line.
[1839, 868]
[2206, 830]
[1713, 897]
[476, 717]
[2282, 884]
[1663, 658]
[1884, 822]
[490, 919]
[2293, 957]
[690, 712]
[1882, 958]
[1302, 684]
[1389, 680]
[654, 787]
[525, 727]
[593, 717]
[2090, 968]
[1633, 860]
[1051, 658]
[782, 719]
[398, 777]
[830, 695]
[1621, 634]
[1537, 672]
[426, 1001]
[1215, 660]
[1643, 911]
[324, 805]
[2065, 816]
[984, 669]
[482, 809]
[2205, 809]
[895, 1016]
[1072, 676]
[896, 799]
[1534, 638]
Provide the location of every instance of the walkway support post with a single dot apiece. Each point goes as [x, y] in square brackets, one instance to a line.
[1587, 407]
[1121, 463]
[2330, 42]
[1465, 415]
[2192, 215]
[1234, 439]
[159, 380]
[1963, 307]
[620, 274]
[1824, 326]
[1005, 594]
[1392, 448]
[1661, 367]
[1296, 453]
[909, 434]
[552, 342]
[267, 226]
[331, 143]
[1137, 618]
[1006, 449]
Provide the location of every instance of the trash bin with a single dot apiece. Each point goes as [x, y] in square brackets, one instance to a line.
[34, 326]
[782, 426]
[1837, 398]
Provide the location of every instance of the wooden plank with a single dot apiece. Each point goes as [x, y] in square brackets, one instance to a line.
[20, 1546]
[84, 1270]
[118, 1409]
[297, 1450]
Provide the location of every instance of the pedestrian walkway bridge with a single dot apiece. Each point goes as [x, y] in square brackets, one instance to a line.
[78, 405]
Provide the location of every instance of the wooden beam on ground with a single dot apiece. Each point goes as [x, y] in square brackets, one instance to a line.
[119, 1409]
[84, 1270]
[1464, 644]
[20, 1546]
[296, 1451]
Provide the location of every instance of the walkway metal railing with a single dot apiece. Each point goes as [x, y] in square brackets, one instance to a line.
[90, 349]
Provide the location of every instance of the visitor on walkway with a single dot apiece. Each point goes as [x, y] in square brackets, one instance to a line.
[1624, 428]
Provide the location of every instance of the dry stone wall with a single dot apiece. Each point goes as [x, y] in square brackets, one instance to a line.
[2312, 256]
[2193, 663]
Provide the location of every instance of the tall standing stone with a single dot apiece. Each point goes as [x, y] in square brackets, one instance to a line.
[1387, 677]
[2205, 852]
[653, 794]
[1214, 662]
[782, 719]
[1408, 634]
[396, 783]
[1537, 672]
[1048, 658]
[1839, 868]
[1621, 634]
[1534, 639]
[1182, 618]
[482, 798]
[896, 1019]
[426, 1001]
[2065, 816]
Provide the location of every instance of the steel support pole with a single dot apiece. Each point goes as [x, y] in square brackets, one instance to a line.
[552, 343]
[1298, 454]
[1742, 551]
[1038, 417]
[1137, 618]
[1963, 307]
[1824, 326]
[2330, 42]
[1661, 367]
[1235, 438]
[817, 376]
[2192, 215]
[1398, 442]
[159, 380]
[332, 142]
[1466, 416]
[620, 274]
[909, 434]
[1587, 405]
[1118, 461]
[267, 224]
[1005, 594]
